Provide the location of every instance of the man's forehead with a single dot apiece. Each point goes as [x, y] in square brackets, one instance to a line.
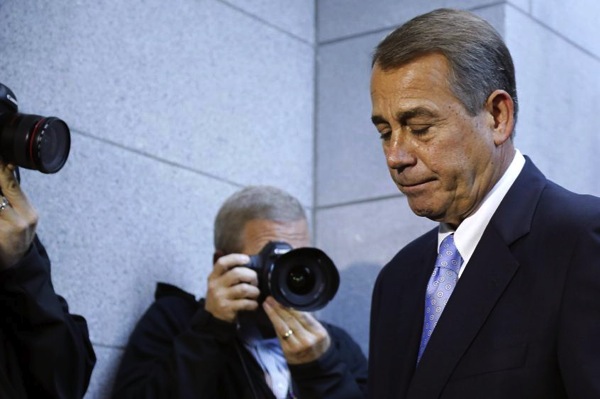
[258, 232]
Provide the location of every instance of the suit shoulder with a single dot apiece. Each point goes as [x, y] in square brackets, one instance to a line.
[568, 208]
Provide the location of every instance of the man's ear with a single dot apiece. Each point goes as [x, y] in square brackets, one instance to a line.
[217, 254]
[501, 108]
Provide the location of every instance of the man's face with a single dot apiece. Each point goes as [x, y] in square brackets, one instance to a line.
[257, 233]
[438, 155]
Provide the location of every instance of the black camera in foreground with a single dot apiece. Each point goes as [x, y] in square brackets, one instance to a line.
[303, 278]
[31, 141]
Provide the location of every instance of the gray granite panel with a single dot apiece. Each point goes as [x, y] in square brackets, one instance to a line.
[360, 239]
[576, 20]
[350, 162]
[342, 18]
[114, 223]
[104, 373]
[559, 93]
[200, 84]
[523, 5]
[295, 17]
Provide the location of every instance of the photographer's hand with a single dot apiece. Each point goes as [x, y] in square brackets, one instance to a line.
[231, 288]
[18, 219]
[303, 339]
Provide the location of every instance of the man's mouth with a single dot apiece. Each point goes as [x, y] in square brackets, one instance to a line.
[413, 186]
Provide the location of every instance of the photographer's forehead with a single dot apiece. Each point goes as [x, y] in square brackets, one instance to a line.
[257, 233]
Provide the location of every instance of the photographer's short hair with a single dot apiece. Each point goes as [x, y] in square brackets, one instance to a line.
[252, 203]
[478, 57]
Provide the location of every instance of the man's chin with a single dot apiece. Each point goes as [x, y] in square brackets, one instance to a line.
[425, 210]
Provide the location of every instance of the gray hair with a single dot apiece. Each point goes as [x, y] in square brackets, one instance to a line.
[478, 57]
[252, 203]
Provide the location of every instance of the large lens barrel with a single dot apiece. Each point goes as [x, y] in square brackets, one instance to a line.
[304, 279]
[34, 142]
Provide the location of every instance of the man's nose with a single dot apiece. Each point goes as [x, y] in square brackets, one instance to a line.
[398, 151]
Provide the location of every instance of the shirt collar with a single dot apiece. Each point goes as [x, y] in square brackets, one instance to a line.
[470, 231]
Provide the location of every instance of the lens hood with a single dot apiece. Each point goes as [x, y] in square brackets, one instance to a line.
[303, 278]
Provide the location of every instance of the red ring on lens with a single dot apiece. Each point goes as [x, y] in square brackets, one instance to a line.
[32, 139]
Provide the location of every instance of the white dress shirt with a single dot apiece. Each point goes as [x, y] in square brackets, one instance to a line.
[269, 355]
[470, 231]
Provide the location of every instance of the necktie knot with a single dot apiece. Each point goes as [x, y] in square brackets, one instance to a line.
[449, 257]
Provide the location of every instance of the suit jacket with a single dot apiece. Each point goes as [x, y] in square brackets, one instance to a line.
[524, 318]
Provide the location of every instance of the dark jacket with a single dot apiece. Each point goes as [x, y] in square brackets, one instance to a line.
[178, 350]
[524, 319]
[44, 351]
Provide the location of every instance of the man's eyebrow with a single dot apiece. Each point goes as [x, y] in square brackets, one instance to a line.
[377, 119]
[404, 116]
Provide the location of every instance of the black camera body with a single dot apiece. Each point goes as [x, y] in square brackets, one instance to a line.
[303, 278]
[31, 141]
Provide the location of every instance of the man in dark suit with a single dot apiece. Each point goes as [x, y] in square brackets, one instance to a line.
[510, 307]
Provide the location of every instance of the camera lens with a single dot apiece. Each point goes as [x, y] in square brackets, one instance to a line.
[34, 142]
[304, 278]
[300, 280]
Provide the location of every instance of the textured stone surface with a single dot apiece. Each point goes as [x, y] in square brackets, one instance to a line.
[202, 85]
[350, 163]
[295, 17]
[333, 16]
[559, 93]
[115, 223]
[523, 5]
[104, 373]
[361, 239]
[575, 20]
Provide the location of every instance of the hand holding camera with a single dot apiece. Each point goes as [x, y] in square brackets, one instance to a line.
[288, 283]
[33, 142]
[303, 279]
[231, 289]
[18, 219]
[303, 339]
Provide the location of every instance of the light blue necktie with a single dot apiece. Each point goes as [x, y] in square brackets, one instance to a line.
[440, 287]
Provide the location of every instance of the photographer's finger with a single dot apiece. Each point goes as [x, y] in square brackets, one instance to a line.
[307, 320]
[279, 324]
[228, 262]
[239, 275]
[245, 305]
[4, 204]
[244, 291]
[11, 189]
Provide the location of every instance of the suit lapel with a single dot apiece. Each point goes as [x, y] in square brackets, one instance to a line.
[485, 279]
[397, 312]
[489, 272]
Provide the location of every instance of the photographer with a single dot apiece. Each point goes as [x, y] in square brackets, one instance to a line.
[44, 351]
[229, 345]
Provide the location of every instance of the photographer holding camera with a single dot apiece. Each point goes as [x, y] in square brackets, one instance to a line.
[234, 344]
[45, 352]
